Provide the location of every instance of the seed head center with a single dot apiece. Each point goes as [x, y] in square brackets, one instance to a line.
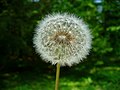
[62, 37]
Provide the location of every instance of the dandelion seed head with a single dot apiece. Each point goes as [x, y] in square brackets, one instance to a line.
[62, 38]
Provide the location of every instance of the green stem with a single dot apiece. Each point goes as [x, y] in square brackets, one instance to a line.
[57, 76]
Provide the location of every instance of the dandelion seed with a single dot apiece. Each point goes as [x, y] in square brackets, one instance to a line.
[63, 39]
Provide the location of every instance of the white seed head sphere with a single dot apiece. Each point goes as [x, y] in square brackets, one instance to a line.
[62, 38]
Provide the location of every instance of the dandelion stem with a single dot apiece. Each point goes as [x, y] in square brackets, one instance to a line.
[57, 76]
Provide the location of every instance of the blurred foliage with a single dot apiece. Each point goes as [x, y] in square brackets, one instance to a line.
[104, 78]
[18, 19]
[111, 24]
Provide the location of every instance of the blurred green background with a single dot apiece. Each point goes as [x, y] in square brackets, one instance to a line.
[22, 69]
